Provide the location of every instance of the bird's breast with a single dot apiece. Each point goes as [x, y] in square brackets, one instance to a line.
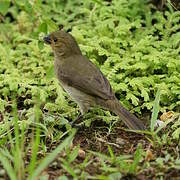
[77, 95]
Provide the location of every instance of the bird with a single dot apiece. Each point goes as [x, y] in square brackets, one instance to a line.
[83, 80]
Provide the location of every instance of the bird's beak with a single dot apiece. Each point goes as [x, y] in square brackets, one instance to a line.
[47, 39]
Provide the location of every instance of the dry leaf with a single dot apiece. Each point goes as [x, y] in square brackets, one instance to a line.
[149, 155]
[166, 115]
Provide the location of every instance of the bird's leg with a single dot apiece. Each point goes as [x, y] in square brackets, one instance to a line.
[74, 124]
[83, 110]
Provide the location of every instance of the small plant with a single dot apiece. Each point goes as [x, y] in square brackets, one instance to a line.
[14, 159]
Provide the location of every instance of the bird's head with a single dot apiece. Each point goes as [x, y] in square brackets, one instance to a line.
[62, 43]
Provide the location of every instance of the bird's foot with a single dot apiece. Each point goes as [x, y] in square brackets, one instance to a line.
[78, 126]
[75, 124]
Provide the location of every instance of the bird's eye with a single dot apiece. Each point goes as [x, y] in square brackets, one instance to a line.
[55, 39]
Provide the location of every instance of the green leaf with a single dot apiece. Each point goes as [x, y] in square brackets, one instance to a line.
[4, 5]
[114, 176]
[111, 152]
[50, 72]
[176, 134]
[73, 154]
[28, 6]
[145, 95]
[133, 98]
[52, 26]
[43, 27]
[40, 45]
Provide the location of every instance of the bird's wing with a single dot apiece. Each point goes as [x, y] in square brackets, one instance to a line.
[80, 73]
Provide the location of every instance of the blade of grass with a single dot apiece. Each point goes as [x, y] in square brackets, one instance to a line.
[73, 154]
[69, 170]
[7, 166]
[137, 158]
[155, 110]
[9, 130]
[48, 159]
[36, 141]
[111, 152]
[18, 159]
[101, 156]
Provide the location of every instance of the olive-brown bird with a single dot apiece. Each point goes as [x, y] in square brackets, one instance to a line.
[83, 81]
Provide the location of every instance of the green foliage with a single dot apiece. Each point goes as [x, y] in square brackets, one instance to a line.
[48, 159]
[135, 46]
[114, 164]
[13, 160]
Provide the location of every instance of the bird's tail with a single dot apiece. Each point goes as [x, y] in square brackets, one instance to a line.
[129, 119]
